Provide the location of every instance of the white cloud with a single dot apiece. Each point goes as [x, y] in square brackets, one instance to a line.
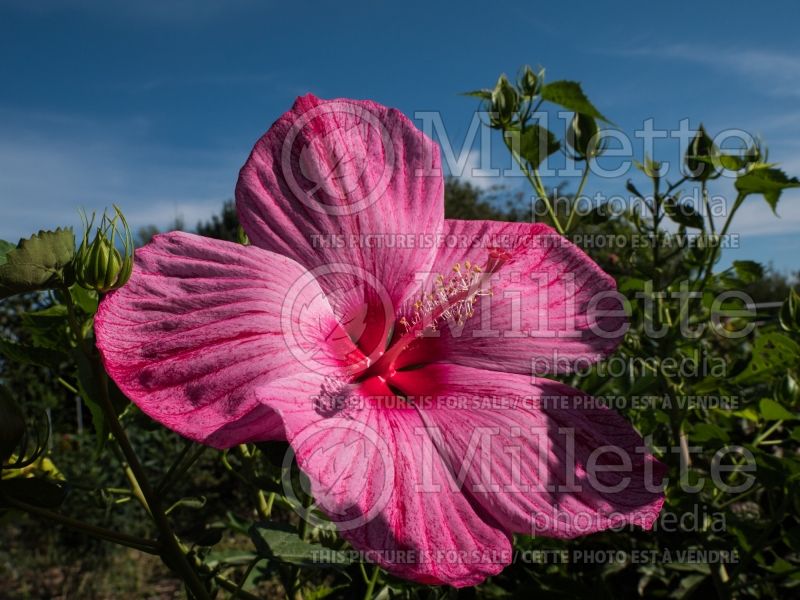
[776, 73]
[483, 176]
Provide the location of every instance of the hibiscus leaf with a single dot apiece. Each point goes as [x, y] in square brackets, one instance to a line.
[773, 352]
[569, 94]
[48, 328]
[280, 542]
[773, 411]
[748, 271]
[537, 143]
[89, 390]
[482, 94]
[769, 182]
[34, 355]
[683, 213]
[37, 263]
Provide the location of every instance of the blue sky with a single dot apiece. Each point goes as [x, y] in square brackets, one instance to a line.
[155, 105]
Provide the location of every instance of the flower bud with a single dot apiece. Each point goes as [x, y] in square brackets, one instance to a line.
[99, 265]
[787, 390]
[789, 315]
[529, 82]
[582, 136]
[12, 425]
[505, 102]
[700, 147]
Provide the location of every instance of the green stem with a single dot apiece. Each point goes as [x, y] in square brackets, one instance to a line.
[122, 539]
[262, 506]
[236, 590]
[170, 545]
[707, 205]
[760, 439]
[136, 489]
[371, 583]
[573, 210]
[180, 467]
[723, 232]
[538, 186]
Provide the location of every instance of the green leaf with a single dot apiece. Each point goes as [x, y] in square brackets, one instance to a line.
[683, 214]
[280, 542]
[191, 502]
[772, 352]
[482, 94]
[772, 411]
[747, 413]
[48, 327]
[731, 162]
[229, 557]
[570, 95]
[33, 355]
[767, 181]
[748, 271]
[90, 391]
[5, 248]
[537, 143]
[37, 263]
[87, 300]
[789, 316]
[706, 432]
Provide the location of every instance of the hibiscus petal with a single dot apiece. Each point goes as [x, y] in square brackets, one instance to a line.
[202, 323]
[542, 459]
[352, 190]
[551, 308]
[375, 472]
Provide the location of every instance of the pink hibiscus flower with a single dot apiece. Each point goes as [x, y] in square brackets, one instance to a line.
[391, 347]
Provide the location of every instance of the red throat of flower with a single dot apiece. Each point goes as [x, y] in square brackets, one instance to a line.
[451, 300]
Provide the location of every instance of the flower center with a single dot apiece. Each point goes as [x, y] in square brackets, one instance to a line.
[452, 300]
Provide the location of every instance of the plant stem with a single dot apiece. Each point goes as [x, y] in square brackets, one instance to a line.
[179, 467]
[123, 539]
[170, 546]
[584, 179]
[536, 182]
[371, 583]
[236, 590]
[723, 232]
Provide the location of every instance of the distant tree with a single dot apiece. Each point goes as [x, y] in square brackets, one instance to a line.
[146, 232]
[223, 226]
[773, 287]
[462, 200]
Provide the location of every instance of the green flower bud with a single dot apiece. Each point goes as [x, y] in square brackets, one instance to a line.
[701, 146]
[789, 315]
[787, 390]
[99, 265]
[505, 102]
[529, 82]
[12, 425]
[582, 136]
